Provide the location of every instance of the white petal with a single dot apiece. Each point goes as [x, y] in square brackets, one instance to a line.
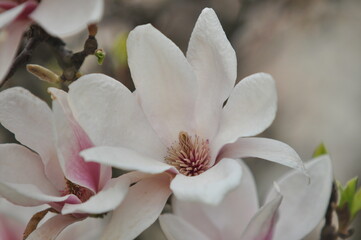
[215, 65]
[230, 217]
[303, 205]
[111, 115]
[175, 228]
[209, 187]
[141, 207]
[52, 228]
[164, 80]
[22, 178]
[63, 18]
[20, 213]
[196, 215]
[261, 227]
[238, 207]
[8, 16]
[125, 159]
[29, 118]
[10, 37]
[104, 201]
[265, 148]
[87, 229]
[250, 109]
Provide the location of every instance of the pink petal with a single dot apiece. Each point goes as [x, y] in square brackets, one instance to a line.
[71, 140]
[261, 226]
[22, 178]
[215, 65]
[63, 18]
[111, 115]
[250, 109]
[104, 201]
[13, 219]
[230, 217]
[126, 159]
[10, 229]
[53, 227]
[176, 228]
[140, 209]
[209, 187]
[265, 148]
[164, 80]
[303, 205]
[29, 118]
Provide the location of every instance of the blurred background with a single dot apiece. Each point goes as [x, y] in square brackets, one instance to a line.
[311, 47]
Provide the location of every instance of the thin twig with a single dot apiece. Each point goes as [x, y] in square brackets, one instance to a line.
[69, 62]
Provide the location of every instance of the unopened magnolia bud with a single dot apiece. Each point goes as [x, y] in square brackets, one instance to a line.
[92, 29]
[43, 73]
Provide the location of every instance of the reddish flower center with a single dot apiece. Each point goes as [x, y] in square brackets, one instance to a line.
[189, 155]
[82, 193]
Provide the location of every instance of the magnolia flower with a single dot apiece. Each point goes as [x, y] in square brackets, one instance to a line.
[52, 172]
[291, 214]
[13, 220]
[58, 17]
[177, 122]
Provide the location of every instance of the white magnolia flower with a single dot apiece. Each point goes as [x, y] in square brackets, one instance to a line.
[176, 121]
[291, 214]
[52, 172]
[58, 17]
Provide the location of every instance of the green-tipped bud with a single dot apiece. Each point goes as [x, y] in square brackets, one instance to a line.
[100, 54]
[350, 196]
[320, 150]
[356, 204]
[43, 73]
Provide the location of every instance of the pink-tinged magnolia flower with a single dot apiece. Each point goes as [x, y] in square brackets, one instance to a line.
[52, 172]
[13, 220]
[177, 120]
[290, 214]
[58, 17]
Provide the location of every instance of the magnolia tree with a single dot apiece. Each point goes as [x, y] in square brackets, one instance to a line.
[181, 136]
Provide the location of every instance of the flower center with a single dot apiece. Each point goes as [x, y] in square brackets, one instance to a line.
[189, 155]
[82, 193]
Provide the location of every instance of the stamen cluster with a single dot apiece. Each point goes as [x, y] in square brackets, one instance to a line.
[190, 156]
[82, 193]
